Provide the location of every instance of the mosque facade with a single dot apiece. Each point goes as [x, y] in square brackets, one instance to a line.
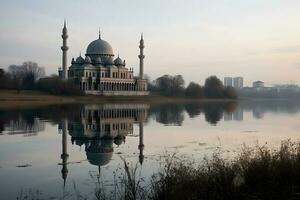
[99, 73]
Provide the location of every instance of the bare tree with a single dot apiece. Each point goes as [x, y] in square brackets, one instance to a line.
[26, 75]
[32, 69]
[17, 75]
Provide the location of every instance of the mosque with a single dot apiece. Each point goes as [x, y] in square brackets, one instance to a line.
[99, 73]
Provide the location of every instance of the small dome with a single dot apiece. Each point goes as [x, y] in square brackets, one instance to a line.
[98, 60]
[99, 46]
[88, 60]
[73, 61]
[109, 61]
[118, 61]
[80, 60]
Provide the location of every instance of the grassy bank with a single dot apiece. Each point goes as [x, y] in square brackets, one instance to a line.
[13, 97]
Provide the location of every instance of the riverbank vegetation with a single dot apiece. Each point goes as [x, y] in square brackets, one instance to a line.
[256, 173]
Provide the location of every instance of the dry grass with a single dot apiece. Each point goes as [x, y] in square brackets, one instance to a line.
[257, 173]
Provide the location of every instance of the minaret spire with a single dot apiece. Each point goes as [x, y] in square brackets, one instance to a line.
[141, 57]
[64, 49]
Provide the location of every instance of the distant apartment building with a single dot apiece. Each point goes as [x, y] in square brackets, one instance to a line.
[258, 84]
[287, 87]
[228, 81]
[238, 82]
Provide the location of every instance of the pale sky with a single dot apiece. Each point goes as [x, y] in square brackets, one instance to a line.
[255, 39]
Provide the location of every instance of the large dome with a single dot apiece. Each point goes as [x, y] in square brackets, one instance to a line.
[99, 46]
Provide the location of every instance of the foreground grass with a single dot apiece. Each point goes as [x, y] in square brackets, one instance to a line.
[254, 174]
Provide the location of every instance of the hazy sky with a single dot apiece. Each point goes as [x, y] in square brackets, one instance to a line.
[256, 39]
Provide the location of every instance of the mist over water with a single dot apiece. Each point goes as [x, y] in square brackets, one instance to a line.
[51, 150]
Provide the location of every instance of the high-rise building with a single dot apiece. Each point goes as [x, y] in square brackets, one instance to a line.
[238, 82]
[228, 81]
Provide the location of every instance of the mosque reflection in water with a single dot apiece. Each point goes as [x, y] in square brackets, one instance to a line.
[98, 128]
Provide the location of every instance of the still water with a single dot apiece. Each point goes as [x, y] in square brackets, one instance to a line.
[62, 151]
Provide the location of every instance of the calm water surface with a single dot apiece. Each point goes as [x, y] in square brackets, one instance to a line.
[59, 151]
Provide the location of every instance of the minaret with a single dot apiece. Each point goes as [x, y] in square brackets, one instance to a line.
[141, 142]
[64, 156]
[141, 57]
[64, 49]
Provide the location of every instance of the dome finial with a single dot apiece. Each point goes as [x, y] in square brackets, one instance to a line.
[99, 34]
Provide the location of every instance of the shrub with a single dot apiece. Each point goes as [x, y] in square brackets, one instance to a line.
[57, 86]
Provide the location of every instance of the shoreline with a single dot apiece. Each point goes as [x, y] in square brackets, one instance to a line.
[15, 98]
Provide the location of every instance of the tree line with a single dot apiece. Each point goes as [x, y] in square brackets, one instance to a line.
[168, 85]
[31, 76]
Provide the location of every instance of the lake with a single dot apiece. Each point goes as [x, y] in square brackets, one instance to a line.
[70, 151]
